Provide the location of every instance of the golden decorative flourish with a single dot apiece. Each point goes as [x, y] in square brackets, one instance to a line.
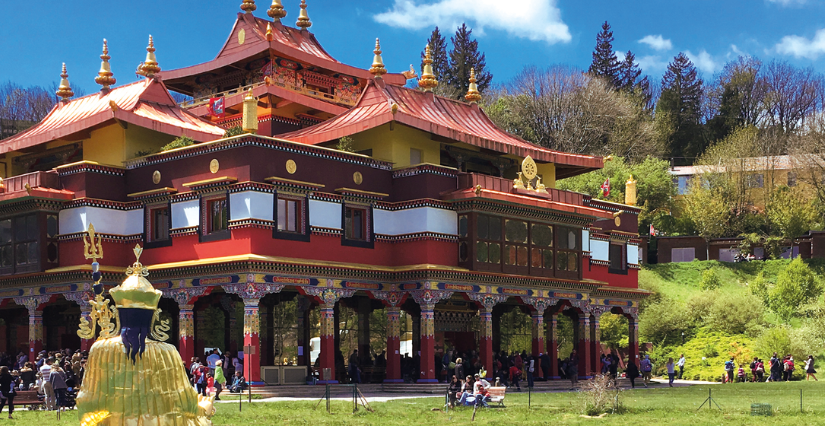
[93, 419]
[137, 268]
[159, 327]
[91, 249]
[101, 315]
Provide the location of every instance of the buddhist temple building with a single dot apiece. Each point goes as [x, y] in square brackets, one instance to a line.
[265, 242]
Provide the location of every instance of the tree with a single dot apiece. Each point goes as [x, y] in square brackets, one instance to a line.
[795, 286]
[438, 52]
[631, 83]
[605, 63]
[706, 206]
[740, 94]
[792, 95]
[680, 105]
[791, 213]
[465, 56]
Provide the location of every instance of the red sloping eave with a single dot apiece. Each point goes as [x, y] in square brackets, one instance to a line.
[527, 201]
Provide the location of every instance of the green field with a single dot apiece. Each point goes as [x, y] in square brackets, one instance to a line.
[672, 406]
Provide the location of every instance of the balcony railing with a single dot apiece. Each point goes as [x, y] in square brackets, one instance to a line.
[493, 183]
[34, 180]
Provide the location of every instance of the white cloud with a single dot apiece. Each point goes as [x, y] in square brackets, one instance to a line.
[538, 20]
[620, 55]
[652, 64]
[704, 61]
[657, 42]
[801, 47]
[788, 2]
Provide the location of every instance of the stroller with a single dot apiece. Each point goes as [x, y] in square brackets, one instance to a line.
[70, 400]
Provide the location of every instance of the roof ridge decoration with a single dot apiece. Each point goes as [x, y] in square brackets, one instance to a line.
[248, 6]
[303, 18]
[276, 11]
[64, 90]
[105, 77]
[427, 81]
[150, 66]
[472, 96]
[377, 68]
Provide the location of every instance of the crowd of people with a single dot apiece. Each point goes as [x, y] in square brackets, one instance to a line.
[221, 371]
[54, 375]
[778, 369]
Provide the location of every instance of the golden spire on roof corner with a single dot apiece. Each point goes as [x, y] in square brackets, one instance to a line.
[150, 67]
[268, 31]
[64, 90]
[303, 18]
[105, 77]
[427, 80]
[276, 11]
[377, 68]
[248, 6]
[472, 95]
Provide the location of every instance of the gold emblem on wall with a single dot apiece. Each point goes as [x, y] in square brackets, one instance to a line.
[357, 178]
[291, 167]
[214, 165]
[156, 177]
[617, 220]
[241, 36]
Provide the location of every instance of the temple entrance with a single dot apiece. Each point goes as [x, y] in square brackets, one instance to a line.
[14, 331]
[218, 323]
[60, 321]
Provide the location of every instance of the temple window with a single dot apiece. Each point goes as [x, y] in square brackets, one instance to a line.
[291, 217]
[158, 223]
[567, 253]
[415, 156]
[214, 218]
[357, 226]
[19, 244]
[488, 232]
[617, 257]
[541, 255]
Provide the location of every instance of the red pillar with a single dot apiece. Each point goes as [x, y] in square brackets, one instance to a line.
[251, 337]
[595, 347]
[485, 343]
[585, 368]
[186, 333]
[327, 354]
[427, 345]
[553, 347]
[393, 345]
[35, 333]
[633, 334]
[538, 333]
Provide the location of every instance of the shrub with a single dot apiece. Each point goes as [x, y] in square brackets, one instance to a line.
[710, 279]
[706, 353]
[759, 287]
[179, 142]
[735, 314]
[795, 286]
[345, 144]
[664, 322]
[600, 395]
[233, 131]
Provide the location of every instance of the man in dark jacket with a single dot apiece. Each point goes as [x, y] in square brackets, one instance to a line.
[545, 366]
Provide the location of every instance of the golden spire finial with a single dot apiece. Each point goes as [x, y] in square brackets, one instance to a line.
[105, 76]
[377, 68]
[472, 95]
[268, 31]
[303, 18]
[64, 90]
[276, 11]
[630, 192]
[248, 6]
[427, 80]
[150, 67]
[249, 119]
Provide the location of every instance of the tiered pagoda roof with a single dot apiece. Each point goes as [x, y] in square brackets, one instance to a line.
[145, 103]
[450, 119]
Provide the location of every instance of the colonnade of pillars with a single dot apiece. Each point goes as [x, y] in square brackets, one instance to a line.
[544, 339]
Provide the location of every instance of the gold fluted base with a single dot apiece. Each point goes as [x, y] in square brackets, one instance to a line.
[152, 391]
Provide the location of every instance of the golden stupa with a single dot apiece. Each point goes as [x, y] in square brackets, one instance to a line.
[132, 377]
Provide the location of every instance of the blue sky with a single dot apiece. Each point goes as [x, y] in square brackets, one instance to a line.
[511, 33]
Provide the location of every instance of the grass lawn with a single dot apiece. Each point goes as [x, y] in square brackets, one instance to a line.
[671, 406]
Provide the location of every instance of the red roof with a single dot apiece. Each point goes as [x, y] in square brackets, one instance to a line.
[463, 194]
[450, 119]
[144, 103]
[300, 45]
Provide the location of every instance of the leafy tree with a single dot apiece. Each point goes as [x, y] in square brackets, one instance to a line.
[706, 206]
[465, 56]
[710, 279]
[179, 142]
[233, 131]
[791, 213]
[438, 52]
[345, 144]
[680, 105]
[759, 288]
[740, 93]
[605, 63]
[614, 331]
[795, 286]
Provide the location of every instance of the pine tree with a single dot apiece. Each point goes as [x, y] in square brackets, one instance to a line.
[438, 50]
[605, 63]
[464, 56]
[680, 104]
[629, 81]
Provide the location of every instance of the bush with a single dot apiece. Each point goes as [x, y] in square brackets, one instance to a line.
[736, 314]
[179, 142]
[795, 286]
[706, 353]
[710, 279]
[233, 131]
[664, 322]
[345, 144]
[759, 287]
[600, 395]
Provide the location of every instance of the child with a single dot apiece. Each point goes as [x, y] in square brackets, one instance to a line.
[741, 374]
[210, 384]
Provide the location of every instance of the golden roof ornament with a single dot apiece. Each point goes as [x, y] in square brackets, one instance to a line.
[150, 66]
[268, 31]
[248, 6]
[249, 120]
[630, 192]
[303, 18]
[105, 77]
[427, 80]
[276, 11]
[377, 68]
[472, 96]
[64, 90]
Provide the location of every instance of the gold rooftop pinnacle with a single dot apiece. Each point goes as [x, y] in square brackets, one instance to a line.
[64, 90]
[150, 67]
[377, 68]
[427, 80]
[105, 77]
[268, 31]
[248, 6]
[276, 11]
[303, 18]
[249, 118]
[472, 95]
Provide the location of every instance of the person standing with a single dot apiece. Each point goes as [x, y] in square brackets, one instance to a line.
[7, 389]
[730, 366]
[776, 368]
[632, 372]
[531, 368]
[48, 391]
[354, 370]
[459, 368]
[809, 368]
[515, 373]
[220, 380]
[58, 380]
[647, 369]
[671, 371]
[681, 365]
[212, 359]
[573, 369]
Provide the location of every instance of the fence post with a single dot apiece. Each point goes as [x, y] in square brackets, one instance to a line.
[800, 401]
